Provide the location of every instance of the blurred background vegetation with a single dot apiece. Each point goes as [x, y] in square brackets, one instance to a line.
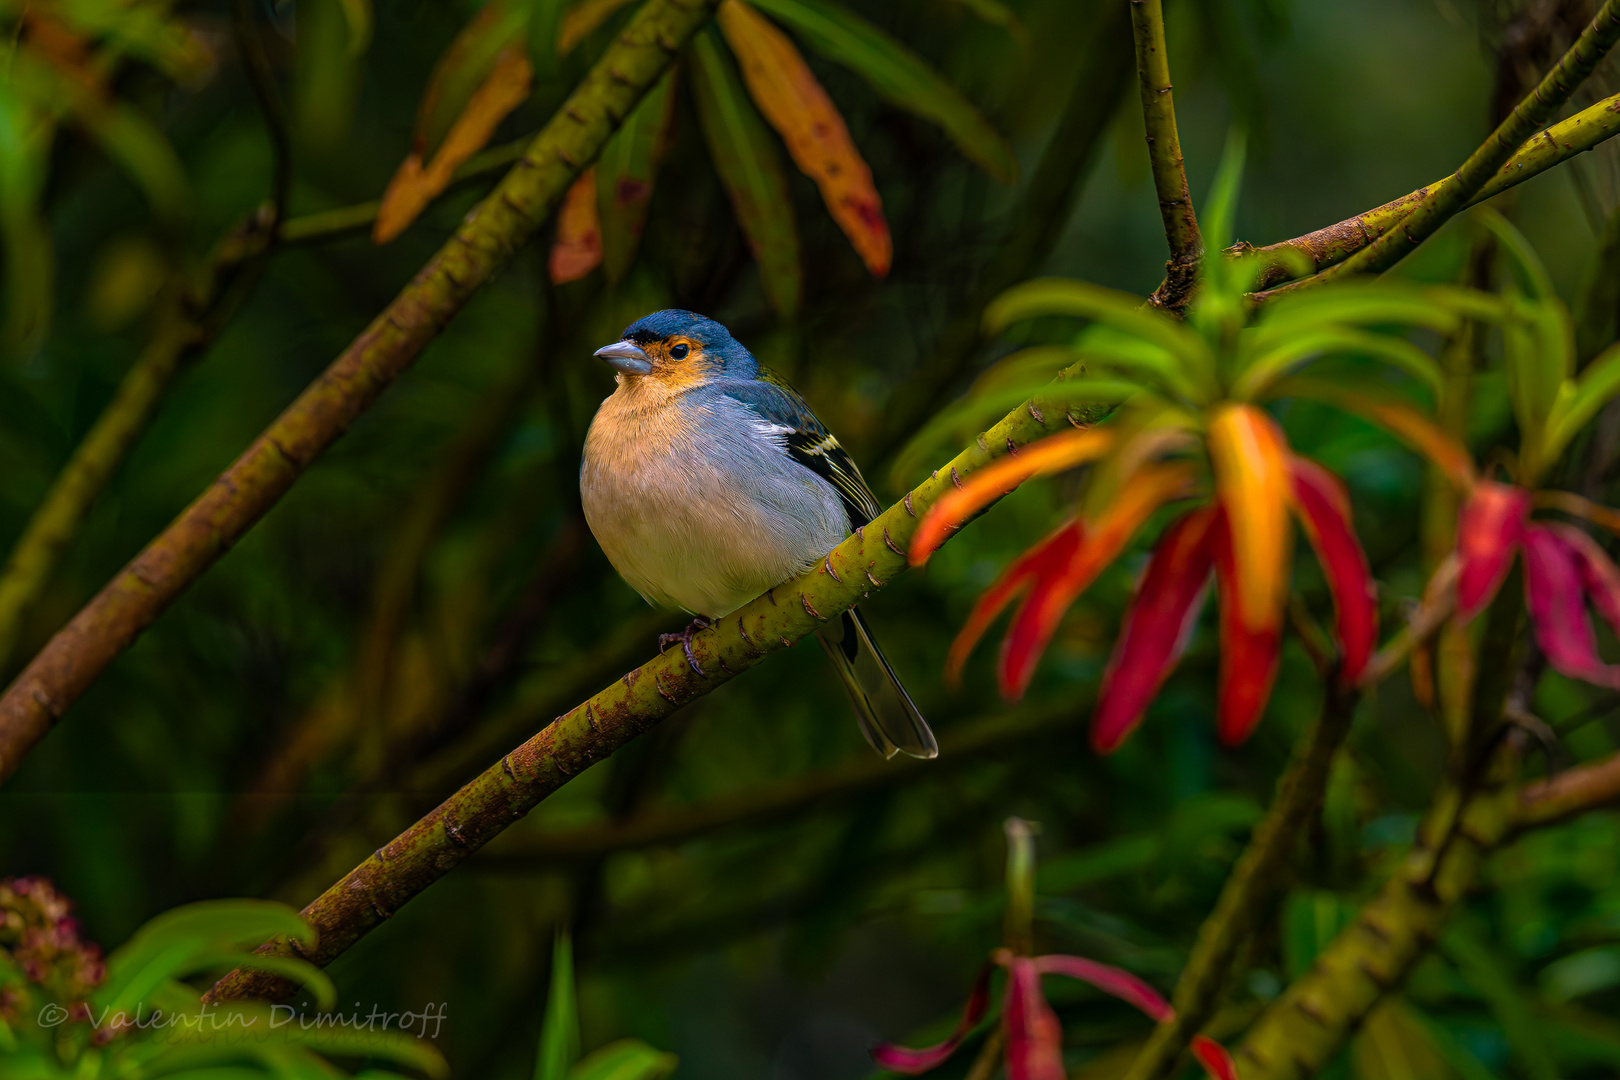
[747, 885]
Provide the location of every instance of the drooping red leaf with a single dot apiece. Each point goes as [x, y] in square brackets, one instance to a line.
[1555, 593]
[910, 1062]
[1043, 561]
[1038, 617]
[1324, 511]
[1214, 1058]
[1599, 575]
[1034, 1037]
[1489, 528]
[1157, 625]
[1249, 653]
[1110, 980]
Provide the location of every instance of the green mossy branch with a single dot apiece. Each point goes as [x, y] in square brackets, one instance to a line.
[1256, 881]
[1329, 246]
[1443, 201]
[865, 562]
[1164, 155]
[483, 244]
[1300, 1032]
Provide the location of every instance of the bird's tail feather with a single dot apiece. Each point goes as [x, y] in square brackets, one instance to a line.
[888, 719]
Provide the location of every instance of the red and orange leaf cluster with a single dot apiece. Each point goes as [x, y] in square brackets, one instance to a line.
[1241, 538]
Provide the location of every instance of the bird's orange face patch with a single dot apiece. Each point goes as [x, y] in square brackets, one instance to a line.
[679, 362]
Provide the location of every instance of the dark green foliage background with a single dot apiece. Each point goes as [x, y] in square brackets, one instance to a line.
[777, 950]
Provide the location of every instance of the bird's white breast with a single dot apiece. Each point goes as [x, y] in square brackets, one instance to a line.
[694, 500]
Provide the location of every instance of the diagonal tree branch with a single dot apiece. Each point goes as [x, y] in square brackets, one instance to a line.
[1443, 201]
[483, 244]
[1574, 791]
[1334, 243]
[1164, 153]
[593, 730]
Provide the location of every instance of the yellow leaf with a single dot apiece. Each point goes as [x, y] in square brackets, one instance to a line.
[794, 103]
[415, 185]
[578, 247]
[1252, 484]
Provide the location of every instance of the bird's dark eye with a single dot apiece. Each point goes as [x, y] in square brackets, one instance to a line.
[679, 352]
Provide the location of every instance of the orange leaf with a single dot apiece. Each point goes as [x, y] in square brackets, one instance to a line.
[1395, 416]
[578, 247]
[794, 103]
[1000, 478]
[1252, 484]
[414, 186]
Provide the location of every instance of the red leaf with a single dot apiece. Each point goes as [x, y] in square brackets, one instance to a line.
[578, 247]
[1034, 1037]
[1157, 625]
[1324, 511]
[1599, 575]
[1110, 980]
[911, 1062]
[1489, 527]
[1214, 1058]
[1043, 561]
[1555, 593]
[1249, 653]
[1037, 619]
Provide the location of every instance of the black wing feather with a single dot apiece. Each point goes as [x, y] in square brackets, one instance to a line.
[809, 443]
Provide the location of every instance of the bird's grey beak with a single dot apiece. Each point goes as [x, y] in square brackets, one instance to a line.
[626, 357]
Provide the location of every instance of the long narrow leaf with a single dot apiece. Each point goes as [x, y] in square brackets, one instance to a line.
[625, 173]
[746, 158]
[559, 1035]
[577, 250]
[792, 100]
[1121, 311]
[898, 74]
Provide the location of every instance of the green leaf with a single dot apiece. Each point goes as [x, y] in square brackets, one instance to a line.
[142, 30]
[1306, 346]
[1367, 303]
[545, 26]
[1486, 973]
[627, 1059]
[1010, 383]
[1578, 402]
[559, 1035]
[750, 167]
[899, 75]
[167, 944]
[25, 138]
[1122, 311]
[624, 177]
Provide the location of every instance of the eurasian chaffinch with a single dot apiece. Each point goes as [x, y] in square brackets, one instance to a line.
[707, 480]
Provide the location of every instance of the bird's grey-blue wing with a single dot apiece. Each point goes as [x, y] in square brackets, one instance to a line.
[808, 442]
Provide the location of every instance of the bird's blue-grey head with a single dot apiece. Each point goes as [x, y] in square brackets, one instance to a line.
[680, 348]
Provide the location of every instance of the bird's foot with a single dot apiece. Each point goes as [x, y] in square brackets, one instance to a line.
[685, 638]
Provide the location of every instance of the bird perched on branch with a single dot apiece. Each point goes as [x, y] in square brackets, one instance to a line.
[707, 480]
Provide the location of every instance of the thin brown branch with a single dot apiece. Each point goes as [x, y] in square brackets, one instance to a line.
[1570, 793]
[1164, 154]
[483, 244]
[1439, 601]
